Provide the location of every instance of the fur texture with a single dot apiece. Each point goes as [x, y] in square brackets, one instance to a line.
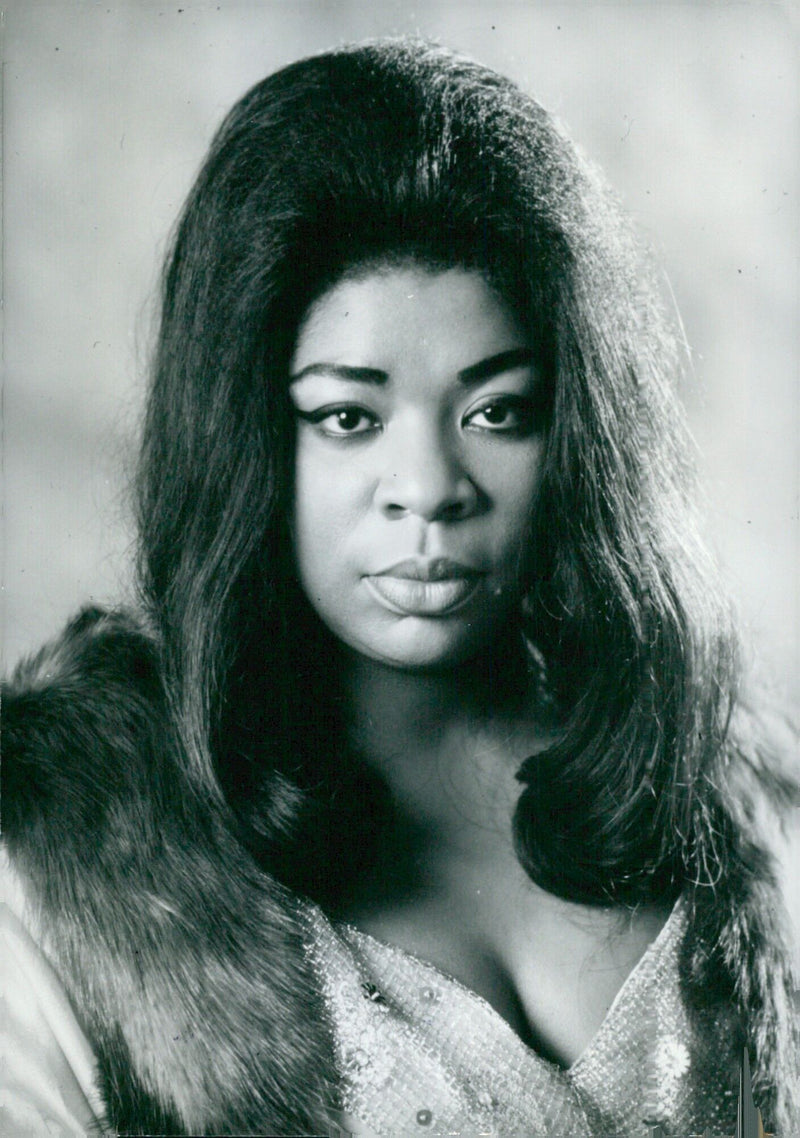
[736, 955]
[185, 961]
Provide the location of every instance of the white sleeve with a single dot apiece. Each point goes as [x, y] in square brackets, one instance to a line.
[48, 1083]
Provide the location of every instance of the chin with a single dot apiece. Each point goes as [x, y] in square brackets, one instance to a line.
[423, 645]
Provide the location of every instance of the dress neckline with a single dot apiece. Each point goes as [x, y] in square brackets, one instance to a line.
[666, 938]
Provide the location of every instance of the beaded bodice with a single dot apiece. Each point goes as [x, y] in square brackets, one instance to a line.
[420, 1054]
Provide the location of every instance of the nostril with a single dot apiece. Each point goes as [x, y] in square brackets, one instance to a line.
[431, 492]
[453, 511]
[393, 509]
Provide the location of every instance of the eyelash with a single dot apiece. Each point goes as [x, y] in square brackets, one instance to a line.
[525, 410]
[318, 417]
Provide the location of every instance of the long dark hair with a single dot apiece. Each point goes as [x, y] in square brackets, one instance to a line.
[401, 149]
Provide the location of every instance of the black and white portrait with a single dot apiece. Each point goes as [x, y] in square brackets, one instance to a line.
[401, 607]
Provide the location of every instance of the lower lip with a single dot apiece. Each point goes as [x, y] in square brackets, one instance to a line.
[409, 597]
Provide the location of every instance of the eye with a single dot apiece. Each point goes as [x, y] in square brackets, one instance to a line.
[503, 414]
[340, 422]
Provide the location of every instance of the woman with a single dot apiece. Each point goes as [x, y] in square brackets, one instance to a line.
[422, 795]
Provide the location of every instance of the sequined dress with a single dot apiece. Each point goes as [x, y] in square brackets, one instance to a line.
[421, 1054]
[417, 1052]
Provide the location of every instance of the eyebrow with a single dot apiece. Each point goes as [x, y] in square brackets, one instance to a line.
[496, 365]
[475, 373]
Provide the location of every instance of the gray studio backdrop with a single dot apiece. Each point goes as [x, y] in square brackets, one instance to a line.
[691, 109]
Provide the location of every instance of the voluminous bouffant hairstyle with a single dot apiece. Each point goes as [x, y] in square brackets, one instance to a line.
[400, 150]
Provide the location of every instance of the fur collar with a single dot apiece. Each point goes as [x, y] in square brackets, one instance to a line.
[187, 961]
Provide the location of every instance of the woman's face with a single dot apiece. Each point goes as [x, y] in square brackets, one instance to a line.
[418, 458]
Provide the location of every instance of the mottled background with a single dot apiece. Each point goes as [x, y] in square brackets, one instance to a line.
[691, 108]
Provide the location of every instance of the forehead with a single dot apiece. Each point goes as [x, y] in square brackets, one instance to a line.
[444, 319]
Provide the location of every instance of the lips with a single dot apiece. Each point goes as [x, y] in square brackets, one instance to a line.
[432, 587]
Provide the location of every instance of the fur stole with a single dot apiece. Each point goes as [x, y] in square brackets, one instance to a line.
[186, 961]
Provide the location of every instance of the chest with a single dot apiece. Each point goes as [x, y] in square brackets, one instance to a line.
[421, 1053]
[551, 970]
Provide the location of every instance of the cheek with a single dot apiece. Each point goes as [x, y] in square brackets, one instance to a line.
[327, 502]
[513, 487]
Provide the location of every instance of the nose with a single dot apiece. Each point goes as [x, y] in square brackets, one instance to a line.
[423, 476]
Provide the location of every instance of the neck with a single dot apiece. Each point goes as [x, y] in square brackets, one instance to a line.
[447, 744]
[388, 706]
